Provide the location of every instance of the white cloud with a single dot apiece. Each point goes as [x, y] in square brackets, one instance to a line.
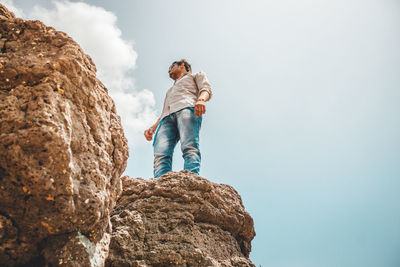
[9, 4]
[138, 111]
[95, 30]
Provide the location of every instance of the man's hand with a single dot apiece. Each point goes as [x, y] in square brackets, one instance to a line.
[199, 107]
[149, 134]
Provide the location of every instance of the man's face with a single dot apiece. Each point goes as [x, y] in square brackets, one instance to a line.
[175, 70]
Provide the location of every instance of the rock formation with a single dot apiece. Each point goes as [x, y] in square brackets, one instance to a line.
[62, 150]
[179, 219]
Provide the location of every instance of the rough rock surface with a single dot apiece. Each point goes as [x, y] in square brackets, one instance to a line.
[62, 150]
[179, 219]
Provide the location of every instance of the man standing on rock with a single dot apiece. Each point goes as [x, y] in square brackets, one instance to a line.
[181, 117]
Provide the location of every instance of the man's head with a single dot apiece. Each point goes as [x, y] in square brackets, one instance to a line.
[178, 68]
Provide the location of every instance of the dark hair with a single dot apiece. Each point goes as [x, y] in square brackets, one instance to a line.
[188, 67]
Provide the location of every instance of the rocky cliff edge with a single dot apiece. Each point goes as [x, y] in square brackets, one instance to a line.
[180, 219]
[62, 150]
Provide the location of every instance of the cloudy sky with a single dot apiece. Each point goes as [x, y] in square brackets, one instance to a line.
[304, 121]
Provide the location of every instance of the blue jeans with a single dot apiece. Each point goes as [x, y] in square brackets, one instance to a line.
[182, 125]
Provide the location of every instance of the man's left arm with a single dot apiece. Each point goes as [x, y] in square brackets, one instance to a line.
[205, 93]
[200, 106]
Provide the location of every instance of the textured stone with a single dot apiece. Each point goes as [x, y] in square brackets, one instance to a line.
[62, 149]
[179, 219]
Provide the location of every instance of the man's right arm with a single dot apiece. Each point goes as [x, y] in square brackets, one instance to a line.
[149, 132]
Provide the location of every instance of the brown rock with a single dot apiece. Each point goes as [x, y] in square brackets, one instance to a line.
[62, 149]
[179, 219]
[5, 14]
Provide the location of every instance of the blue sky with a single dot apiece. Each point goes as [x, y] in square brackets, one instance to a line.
[304, 121]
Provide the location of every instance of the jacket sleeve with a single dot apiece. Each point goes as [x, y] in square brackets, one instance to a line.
[202, 83]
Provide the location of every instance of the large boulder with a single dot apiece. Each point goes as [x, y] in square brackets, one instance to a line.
[62, 149]
[179, 219]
